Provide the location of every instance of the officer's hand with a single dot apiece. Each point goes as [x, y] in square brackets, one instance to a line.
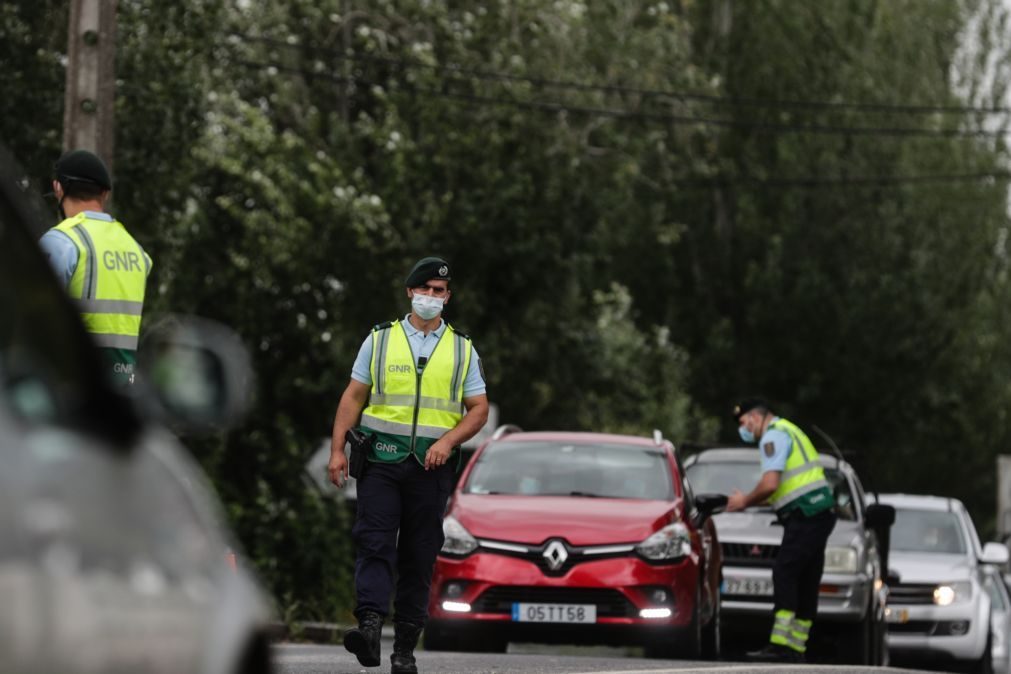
[736, 501]
[437, 454]
[338, 468]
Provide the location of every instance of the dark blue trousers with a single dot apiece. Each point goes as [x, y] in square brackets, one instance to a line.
[796, 576]
[398, 526]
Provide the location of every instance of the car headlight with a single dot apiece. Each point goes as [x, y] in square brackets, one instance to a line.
[840, 559]
[458, 539]
[946, 594]
[670, 543]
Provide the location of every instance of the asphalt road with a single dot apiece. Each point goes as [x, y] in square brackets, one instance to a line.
[314, 659]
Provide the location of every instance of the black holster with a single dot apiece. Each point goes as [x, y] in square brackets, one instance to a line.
[360, 444]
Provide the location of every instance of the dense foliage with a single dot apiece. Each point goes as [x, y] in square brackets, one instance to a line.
[651, 207]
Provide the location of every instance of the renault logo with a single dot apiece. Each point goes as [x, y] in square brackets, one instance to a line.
[555, 555]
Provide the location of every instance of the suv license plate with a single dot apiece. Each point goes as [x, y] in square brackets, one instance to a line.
[753, 587]
[555, 613]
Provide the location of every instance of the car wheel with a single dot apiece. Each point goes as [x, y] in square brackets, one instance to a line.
[681, 643]
[985, 663]
[439, 637]
[857, 645]
[711, 633]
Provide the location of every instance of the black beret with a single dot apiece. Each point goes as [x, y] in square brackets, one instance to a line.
[83, 167]
[748, 404]
[426, 269]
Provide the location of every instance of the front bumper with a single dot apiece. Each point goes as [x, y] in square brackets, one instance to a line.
[620, 588]
[957, 632]
[843, 597]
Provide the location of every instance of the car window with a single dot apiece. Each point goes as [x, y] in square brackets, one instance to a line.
[559, 468]
[723, 477]
[936, 531]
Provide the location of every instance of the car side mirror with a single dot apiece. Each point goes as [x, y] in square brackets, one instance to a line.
[879, 515]
[994, 553]
[710, 504]
[194, 373]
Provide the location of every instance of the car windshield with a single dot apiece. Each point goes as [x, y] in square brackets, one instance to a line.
[935, 531]
[723, 477]
[572, 469]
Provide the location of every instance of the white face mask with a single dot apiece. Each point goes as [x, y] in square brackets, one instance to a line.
[426, 306]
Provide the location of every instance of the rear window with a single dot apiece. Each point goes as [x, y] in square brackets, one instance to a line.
[934, 531]
[723, 477]
[572, 469]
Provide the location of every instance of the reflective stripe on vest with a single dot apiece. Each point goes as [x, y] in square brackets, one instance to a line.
[803, 472]
[109, 281]
[407, 419]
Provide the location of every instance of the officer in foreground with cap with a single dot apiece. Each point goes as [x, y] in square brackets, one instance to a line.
[102, 267]
[793, 482]
[417, 375]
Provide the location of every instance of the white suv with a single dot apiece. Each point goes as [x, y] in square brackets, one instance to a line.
[939, 609]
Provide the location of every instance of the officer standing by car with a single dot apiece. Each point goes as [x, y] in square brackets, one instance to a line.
[101, 266]
[418, 377]
[793, 482]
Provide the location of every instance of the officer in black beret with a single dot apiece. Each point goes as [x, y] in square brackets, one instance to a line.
[99, 263]
[793, 483]
[412, 382]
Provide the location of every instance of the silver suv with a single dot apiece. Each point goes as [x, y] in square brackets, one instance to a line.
[851, 605]
[939, 610]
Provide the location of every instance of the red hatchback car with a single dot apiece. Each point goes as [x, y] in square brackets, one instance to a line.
[577, 538]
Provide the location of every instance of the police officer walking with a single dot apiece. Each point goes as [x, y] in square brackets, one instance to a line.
[793, 482]
[417, 376]
[101, 266]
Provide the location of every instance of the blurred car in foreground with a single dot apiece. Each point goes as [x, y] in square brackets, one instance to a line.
[1000, 619]
[851, 623]
[939, 611]
[577, 538]
[112, 546]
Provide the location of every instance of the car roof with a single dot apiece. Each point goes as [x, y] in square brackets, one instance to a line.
[583, 438]
[920, 501]
[750, 455]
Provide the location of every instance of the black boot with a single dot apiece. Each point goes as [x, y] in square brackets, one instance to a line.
[776, 653]
[405, 639]
[363, 641]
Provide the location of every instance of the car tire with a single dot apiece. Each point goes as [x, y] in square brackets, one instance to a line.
[465, 639]
[984, 665]
[857, 646]
[711, 646]
[681, 643]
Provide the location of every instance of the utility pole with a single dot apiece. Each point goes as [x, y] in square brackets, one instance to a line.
[88, 122]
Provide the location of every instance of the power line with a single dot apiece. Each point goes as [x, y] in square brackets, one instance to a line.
[618, 113]
[479, 73]
[746, 182]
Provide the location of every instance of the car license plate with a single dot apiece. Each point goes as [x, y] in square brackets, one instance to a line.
[555, 613]
[753, 587]
[897, 615]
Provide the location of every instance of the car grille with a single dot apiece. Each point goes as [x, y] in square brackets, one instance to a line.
[911, 593]
[500, 599]
[749, 554]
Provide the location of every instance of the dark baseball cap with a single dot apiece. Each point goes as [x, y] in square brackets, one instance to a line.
[745, 405]
[83, 167]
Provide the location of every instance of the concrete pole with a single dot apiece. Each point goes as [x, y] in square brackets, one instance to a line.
[88, 117]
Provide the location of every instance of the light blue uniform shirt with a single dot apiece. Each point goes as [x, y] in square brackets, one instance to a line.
[774, 458]
[62, 252]
[422, 345]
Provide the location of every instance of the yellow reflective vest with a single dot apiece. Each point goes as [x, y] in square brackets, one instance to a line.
[109, 281]
[410, 407]
[802, 483]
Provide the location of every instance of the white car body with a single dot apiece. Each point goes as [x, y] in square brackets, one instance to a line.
[939, 610]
